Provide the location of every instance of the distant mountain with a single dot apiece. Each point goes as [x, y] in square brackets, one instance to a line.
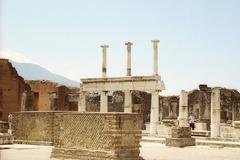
[31, 71]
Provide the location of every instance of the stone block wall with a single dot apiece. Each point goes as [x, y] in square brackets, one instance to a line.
[97, 136]
[33, 127]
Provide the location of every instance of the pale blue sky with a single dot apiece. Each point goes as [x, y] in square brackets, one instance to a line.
[199, 39]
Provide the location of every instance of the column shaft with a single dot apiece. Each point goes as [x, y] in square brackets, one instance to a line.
[104, 60]
[104, 101]
[183, 109]
[128, 102]
[129, 44]
[154, 119]
[82, 102]
[155, 56]
[215, 112]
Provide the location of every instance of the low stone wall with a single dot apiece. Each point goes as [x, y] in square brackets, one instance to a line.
[97, 136]
[228, 131]
[33, 127]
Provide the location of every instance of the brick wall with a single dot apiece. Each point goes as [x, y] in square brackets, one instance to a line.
[81, 135]
[11, 88]
[33, 127]
[97, 136]
[42, 88]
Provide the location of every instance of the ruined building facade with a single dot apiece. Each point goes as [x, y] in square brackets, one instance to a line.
[199, 103]
[12, 90]
[50, 96]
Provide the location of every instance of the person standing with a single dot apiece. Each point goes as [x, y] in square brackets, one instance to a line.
[10, 121]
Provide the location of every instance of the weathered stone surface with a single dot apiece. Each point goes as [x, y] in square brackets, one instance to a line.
[228, 131]
[96, 136]
[6, 138]
[50, 96]
[81, 135]
[181, 137]
[33, 127]
[181, 132]
[180, 142]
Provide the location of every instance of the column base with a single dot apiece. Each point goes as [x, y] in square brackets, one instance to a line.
[153, 129]
[215, 129]
[181, 137]
[128, 110]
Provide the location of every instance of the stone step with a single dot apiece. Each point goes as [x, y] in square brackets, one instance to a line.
[201, 133]
[213, 143]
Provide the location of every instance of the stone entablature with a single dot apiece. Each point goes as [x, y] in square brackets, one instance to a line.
[140, 83]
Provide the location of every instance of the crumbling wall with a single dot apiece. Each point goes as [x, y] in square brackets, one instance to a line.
[11, 88]
[230, 105]
[169, 107]
[41, 89]
[50, 96]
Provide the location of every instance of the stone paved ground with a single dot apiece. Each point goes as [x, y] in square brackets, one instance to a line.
[149, 151]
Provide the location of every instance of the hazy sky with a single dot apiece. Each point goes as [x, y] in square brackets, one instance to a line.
[199, 39]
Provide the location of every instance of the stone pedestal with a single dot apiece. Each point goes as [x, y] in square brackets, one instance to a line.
[181, 137]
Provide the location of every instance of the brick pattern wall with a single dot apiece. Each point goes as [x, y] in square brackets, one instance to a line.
[97, 136]
[33, 127]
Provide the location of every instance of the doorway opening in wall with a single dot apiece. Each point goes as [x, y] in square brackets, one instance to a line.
[1, 115]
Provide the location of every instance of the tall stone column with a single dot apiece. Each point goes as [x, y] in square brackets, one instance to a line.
[183, 109]
[154, 119]
[104, 60]
[127, 102]
[82, 102]
[215, 112]
[155, 56]
[129, 44]
[104, 101]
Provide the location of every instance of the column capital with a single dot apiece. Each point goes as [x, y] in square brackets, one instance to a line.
[128, 43]
[155, 92]
[155, 41]
[104, 46]
[216, 88]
